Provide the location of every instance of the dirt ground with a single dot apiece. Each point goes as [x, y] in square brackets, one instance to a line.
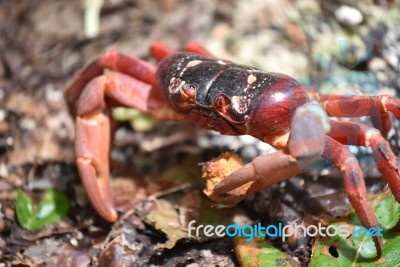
[43, 44]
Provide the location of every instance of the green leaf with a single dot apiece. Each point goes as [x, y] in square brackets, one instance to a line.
[258, 252]
[388, 212]
[138, 120]
[24, 208]
[359, 250]
[53, 206]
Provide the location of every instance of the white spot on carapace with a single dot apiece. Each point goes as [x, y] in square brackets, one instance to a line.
[251, 79]
[221, 62]
[236, 102]
[189, 65]
[193, 63]
[240, 104]
[175, 84]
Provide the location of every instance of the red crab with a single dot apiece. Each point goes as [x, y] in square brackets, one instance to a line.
[231, 99]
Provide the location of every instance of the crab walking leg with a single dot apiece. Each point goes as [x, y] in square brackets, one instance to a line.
[342, 159]
[92, 142]
[264, 170]
[160, 50]
[125, 91]
[355, 106]
[350, 133]
[197, 48]
[131, 66]
[306, 143]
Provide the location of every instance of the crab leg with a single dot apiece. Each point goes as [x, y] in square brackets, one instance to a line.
[129, 82]
[281, 166]
[351, 106]
[198, 49]
[160, 50]
[92, 143]
[132, 66]
[342, 159]
[306, 144]
[93, 133]
[350, 133]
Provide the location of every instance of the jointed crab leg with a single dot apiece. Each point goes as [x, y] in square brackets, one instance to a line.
[356, 106]
[350, 133]
[160, 50]
[264, 170]
[305, 144]
[342, 159]
[351, 106]
[132, 66]
[196, 48]
[92, 143]
[124, 81]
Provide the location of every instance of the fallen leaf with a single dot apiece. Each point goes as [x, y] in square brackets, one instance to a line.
[218, 169]
[258, 252]
[164, 217]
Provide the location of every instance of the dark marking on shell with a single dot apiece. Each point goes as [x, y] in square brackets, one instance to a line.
[383, 150]
[354, 177]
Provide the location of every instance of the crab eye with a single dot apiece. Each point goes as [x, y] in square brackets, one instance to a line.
[189, 91]
[221, 102]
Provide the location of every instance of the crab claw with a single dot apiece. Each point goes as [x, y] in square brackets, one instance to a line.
[92, 145]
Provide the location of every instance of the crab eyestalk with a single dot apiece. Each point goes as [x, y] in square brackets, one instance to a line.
[182, 98]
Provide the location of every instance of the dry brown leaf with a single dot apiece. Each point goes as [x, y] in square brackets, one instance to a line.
[215, 171]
